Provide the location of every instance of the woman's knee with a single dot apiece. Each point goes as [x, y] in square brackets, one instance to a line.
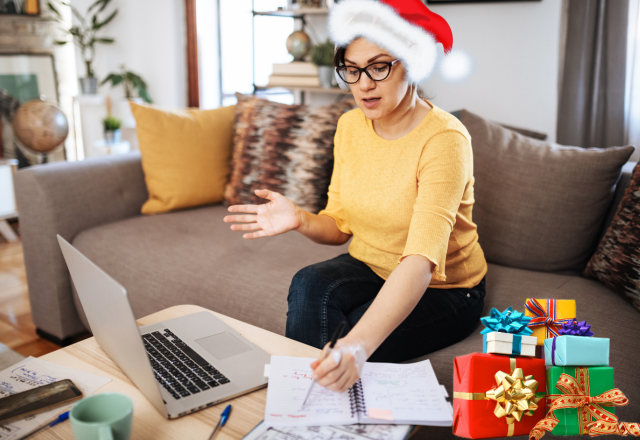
[306, 286]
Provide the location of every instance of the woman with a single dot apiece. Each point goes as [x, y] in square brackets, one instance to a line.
[402, 187]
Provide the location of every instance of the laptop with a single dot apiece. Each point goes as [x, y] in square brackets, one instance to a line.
[181, 365]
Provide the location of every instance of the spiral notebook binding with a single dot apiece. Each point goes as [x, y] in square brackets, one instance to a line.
[356, 399]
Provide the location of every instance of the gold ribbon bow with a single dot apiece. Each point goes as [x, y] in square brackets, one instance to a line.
[594, 419]
[515, 395]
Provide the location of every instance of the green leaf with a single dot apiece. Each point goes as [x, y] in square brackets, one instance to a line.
[114, 78]
[95, 5]
[142, 92]
[54, 9]
[104, 40]
[106, 21]
[105, 3]
[60, 43]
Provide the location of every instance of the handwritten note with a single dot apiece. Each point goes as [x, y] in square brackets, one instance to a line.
[289, 380]
[409, 393]
[350, 432]
[31, 373]
[402, 393]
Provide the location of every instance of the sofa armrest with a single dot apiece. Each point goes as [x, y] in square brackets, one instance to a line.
[66, 198]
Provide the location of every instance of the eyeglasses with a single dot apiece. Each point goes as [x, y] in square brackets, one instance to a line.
[376, 71]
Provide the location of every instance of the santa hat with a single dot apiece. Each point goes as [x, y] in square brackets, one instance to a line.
[406, 28]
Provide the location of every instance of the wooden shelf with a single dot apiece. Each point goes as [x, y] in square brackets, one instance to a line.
[294, 12]
[333, 90]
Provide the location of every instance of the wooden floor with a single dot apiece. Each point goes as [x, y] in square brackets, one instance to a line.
[17, 330]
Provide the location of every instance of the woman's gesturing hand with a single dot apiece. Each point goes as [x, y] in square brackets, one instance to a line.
[343, 367]
[278, 216]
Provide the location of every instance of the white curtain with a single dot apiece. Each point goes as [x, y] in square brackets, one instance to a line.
[632, 98]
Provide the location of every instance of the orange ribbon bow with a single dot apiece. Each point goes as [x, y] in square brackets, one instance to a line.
[594, 419]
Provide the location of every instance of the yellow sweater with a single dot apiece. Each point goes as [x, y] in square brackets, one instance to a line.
[409, 196]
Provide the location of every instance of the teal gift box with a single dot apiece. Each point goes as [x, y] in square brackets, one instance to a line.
[576, 351]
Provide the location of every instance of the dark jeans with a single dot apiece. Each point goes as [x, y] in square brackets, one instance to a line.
[325, 293]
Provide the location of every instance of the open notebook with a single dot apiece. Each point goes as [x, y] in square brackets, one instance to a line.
[386, 393]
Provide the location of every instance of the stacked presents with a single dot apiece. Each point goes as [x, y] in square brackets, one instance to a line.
[508, 390]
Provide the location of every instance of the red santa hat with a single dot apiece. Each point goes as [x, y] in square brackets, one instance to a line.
[406, 28]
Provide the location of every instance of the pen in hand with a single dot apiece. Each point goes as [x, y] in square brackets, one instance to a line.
[336, 334]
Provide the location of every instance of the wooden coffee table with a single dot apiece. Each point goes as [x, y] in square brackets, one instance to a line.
[247, 412]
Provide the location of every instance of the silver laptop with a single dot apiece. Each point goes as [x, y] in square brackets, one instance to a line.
[181, 365]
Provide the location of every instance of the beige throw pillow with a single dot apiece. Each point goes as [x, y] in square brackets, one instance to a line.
[539, 205]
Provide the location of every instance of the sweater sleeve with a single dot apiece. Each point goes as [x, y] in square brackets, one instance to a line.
[334, 206]
[443, 173]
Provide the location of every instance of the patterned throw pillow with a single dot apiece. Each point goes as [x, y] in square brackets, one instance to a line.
[283, 148]
[616, 263]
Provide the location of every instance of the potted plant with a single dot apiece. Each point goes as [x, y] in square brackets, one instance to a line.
[84, 35]
[112, 133]
[131, 82]
[322, 56]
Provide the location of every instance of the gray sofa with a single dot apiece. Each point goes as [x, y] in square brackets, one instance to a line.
[192, 257]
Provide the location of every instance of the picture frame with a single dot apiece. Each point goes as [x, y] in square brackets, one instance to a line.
[20, 7]
[24, 77]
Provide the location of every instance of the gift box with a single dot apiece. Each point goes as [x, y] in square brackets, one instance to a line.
[496, 395]
[507, 333]
[581, 401]
[591, 381]
[576, 351]
[507, 343]
[547, 315]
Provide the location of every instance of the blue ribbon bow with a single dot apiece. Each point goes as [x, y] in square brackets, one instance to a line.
[509, 321]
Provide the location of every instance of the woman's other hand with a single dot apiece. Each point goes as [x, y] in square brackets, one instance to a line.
[278, 216]
[343, 367]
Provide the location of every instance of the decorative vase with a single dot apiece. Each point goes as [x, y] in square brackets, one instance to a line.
[113, 136]
[325, 74]
[89, 85]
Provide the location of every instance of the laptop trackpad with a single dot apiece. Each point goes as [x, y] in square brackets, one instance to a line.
[223, 345]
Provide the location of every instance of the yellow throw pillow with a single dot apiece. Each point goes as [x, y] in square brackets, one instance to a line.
[185, 155]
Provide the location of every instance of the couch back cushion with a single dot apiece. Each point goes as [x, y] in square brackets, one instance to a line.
[539, 205]
[185, 155]
[283, 148]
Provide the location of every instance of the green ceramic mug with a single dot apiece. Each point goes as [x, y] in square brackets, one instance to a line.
[106, 416]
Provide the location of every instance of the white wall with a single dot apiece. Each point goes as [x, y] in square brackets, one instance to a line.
[515, 50]
[151, 41]
[514, 47]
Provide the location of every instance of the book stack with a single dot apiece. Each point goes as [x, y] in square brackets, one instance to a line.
[294, 74]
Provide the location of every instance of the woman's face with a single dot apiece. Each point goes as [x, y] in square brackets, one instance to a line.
[375, 98]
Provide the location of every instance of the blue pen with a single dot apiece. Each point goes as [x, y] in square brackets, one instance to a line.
[61, 418]
[223, 419]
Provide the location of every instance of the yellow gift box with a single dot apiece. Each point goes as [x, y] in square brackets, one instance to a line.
[548, 315]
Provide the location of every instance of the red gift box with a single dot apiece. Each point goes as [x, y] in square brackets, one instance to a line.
[475, 415]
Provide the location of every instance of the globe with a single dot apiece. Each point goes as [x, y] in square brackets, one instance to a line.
[298, 45]
[40, 125]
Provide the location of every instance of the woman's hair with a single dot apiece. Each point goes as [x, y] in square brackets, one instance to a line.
[338, 60]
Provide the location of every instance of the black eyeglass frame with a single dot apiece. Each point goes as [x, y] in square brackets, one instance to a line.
[364, 69]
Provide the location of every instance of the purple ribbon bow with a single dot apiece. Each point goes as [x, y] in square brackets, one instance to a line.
[575, 328]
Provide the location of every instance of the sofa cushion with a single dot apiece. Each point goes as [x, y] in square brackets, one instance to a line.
[610, 316]
[192, 257]
[616, 263]
[283, 148]
[185, 155]
[539, 205]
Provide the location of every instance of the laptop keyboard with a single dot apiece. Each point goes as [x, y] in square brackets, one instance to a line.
[177, 367]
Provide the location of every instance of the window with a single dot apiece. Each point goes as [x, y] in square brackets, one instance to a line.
[219, 81]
